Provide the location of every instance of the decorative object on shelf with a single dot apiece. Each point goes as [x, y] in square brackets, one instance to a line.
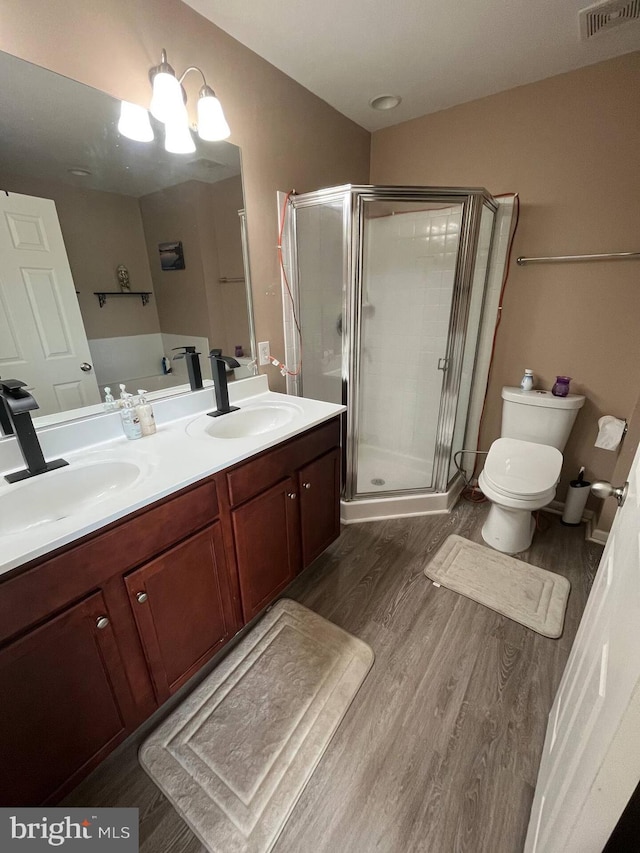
[171, 255]
[561, 386]
[239, 353]
[144, 295]
[168, 105]
[123, 278]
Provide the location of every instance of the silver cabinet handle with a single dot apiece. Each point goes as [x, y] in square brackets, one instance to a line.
[86, 367]
[306, 485]
[102, 622]
[292, 495]
[141, 597]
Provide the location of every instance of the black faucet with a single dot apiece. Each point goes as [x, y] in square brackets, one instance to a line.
[17, 404]
[193, 365]
[219, 365]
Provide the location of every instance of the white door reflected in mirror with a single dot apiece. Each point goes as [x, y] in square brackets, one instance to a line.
[43, 341]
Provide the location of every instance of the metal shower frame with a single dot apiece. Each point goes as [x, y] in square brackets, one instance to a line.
[354, 199]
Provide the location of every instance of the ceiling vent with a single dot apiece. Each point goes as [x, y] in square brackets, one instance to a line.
[605, 16]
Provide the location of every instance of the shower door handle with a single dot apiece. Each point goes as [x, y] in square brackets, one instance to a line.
[443, 364]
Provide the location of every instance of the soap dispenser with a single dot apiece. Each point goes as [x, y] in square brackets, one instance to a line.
[144, 410]
[110, 404]
[129, 418]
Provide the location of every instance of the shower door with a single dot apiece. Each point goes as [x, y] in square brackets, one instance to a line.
[409, 251]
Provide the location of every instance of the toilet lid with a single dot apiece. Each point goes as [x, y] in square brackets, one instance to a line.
[522, 468]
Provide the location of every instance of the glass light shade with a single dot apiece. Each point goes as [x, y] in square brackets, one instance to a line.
[212, 125]
[134, 123]
[166, 100]
[177, 138]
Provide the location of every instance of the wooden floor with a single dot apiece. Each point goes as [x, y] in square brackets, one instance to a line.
[440, 749]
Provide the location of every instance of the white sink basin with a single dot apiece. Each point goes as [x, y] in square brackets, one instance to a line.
[252, 419]
[59, 494]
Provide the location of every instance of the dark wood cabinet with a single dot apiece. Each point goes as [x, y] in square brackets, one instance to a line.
[182, 606]
[319, 491]
[287, 513]
[95, 636]
[267, 546]
[65, 703]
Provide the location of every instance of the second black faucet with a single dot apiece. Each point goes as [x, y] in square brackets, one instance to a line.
[219, 365]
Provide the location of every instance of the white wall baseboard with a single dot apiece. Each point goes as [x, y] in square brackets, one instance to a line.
[592, 533]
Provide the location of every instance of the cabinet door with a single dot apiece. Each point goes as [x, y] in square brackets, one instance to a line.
[267, 546]
[182, 607]
[319, 489]
[65, 703]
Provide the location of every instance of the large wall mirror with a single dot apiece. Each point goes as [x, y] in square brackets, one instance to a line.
[113, 252]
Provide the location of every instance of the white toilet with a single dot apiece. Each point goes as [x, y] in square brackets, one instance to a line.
[522, 467]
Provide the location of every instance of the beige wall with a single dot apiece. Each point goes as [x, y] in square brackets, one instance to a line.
[227, 200]
[192, 301]
[569, 146]
[289, 137]
[100, 230]
[168, 215]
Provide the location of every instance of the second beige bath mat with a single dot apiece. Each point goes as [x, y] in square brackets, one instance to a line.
[234, 758]
[534, 597]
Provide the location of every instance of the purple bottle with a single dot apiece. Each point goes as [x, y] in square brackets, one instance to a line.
[561, 386]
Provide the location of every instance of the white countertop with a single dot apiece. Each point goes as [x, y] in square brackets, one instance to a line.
[169, 460]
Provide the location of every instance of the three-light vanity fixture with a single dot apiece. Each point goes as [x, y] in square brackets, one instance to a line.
[168, 105]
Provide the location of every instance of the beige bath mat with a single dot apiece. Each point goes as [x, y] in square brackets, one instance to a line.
[529, 595]
[235, 756]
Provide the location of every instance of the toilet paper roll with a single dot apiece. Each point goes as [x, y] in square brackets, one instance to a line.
[610, 432]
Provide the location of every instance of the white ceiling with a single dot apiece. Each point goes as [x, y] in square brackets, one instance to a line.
[434, 53]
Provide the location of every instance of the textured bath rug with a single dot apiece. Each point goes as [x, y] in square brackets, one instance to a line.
[529, 595]
[235, 756]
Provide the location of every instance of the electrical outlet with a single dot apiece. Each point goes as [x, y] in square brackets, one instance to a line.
[264, 351]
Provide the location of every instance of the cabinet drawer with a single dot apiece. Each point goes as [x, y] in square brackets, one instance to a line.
[29, 597]
[249, 479]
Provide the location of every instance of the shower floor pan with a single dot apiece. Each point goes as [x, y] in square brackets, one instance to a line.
[379, 473]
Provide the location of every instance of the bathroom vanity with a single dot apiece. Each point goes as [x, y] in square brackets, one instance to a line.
[97, 633]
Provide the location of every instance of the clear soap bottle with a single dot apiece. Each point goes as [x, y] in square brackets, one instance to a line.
[130, 419]
[110, 404]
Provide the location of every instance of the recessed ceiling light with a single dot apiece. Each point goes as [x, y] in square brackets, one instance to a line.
[81, 173]
[385, 102]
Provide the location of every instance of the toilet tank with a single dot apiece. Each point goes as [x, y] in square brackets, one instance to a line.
[539, 416]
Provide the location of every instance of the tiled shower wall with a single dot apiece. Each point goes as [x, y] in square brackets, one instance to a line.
[409, 274]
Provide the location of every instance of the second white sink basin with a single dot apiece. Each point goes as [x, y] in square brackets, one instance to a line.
[252, 419]
[59, 494]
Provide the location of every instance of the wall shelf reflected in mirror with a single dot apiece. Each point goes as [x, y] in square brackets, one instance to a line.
[105, 201]
[144, 295]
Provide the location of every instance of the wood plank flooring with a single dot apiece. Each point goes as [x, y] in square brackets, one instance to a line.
[439, 751]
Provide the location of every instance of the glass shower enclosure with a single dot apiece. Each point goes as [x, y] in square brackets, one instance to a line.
[388, 286]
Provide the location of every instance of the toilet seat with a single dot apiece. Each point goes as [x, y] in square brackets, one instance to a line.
[522, 470]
